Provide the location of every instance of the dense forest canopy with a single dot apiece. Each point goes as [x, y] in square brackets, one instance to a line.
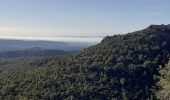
[120, 67]
[21, 60]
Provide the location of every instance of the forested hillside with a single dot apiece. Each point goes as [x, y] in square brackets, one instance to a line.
[22, 60]
[33, 53]
[20, 65]
[121, 67]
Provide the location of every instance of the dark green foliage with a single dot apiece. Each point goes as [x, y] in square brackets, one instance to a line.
[22, 60]
[21, 65]
[120, 67]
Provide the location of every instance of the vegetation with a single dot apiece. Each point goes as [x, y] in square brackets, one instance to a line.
[120, 67]
[22, 60]
[32, 53]
[164, 83]
[19, 65]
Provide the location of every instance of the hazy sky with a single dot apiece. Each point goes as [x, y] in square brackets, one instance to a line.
[80, 17]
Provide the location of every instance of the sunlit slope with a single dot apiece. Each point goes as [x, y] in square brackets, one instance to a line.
[120, 67]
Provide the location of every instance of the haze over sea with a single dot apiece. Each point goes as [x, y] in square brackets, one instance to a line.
[55, 38]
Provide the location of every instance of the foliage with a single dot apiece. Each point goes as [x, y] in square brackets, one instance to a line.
[120, 67]
[164, 83]
[22, 60]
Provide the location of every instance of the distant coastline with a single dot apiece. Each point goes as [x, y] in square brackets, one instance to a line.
[55, 38]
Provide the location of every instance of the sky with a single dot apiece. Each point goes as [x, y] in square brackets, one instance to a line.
[90, 19]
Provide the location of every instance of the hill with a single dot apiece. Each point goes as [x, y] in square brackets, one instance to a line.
[21, 65]
[33, 52]
[22, 60]
[120, 67]
[7, 45]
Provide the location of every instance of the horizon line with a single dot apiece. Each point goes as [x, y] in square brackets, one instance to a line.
[55, 38]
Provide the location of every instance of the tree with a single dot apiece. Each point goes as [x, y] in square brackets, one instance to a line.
[164, 83]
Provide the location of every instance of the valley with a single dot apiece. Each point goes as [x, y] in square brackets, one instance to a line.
[121, 67]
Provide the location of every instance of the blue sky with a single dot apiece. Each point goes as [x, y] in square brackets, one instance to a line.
[80, 17]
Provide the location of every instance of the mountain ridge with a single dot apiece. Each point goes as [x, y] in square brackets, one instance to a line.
[121, 67]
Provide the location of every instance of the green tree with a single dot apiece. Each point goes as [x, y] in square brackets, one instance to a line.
[164, 83]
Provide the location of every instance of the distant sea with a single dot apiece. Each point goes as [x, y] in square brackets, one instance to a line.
[55, 38]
